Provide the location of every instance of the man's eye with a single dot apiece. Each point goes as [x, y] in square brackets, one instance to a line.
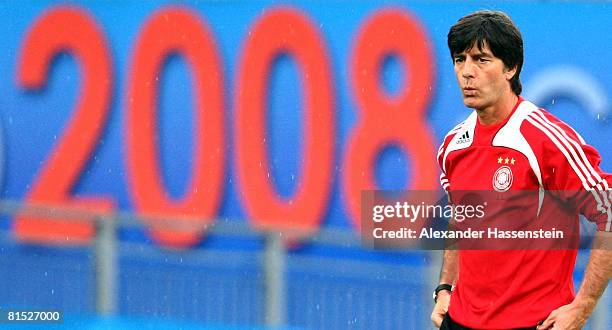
[483, 60]
[458, 59]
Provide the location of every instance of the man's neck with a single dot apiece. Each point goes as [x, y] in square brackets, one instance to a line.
[499, 111]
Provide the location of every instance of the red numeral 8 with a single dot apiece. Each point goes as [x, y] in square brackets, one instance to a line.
[383, 119]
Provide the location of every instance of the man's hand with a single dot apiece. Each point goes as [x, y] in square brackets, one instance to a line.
[568, 317]
[596, 277]
[441, 307]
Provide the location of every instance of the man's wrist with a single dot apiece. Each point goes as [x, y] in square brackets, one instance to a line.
[440, 288]
[587, 304]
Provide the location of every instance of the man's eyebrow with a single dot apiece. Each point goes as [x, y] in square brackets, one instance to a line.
[483, 54]
[478, 54]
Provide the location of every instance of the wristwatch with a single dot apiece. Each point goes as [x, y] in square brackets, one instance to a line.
[440, 288]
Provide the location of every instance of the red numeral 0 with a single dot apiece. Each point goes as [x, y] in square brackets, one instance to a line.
[176, 30]
[278, 31]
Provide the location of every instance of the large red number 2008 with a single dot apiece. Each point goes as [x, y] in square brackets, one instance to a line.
[382, 119]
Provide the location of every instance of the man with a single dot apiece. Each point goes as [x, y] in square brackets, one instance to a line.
[509, 144]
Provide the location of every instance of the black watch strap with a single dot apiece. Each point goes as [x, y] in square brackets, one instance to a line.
[440, 288]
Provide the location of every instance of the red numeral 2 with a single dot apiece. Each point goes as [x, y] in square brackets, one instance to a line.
[66, 29]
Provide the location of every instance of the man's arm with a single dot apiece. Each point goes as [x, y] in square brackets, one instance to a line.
[450, 267]
[448, 275]
[596, 278]
[571, 167]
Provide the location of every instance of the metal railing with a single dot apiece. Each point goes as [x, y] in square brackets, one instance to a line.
[331, 290]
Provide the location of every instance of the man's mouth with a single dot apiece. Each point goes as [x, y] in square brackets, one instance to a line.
[469, 91]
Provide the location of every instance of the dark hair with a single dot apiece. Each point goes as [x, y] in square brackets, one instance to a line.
[497, 30]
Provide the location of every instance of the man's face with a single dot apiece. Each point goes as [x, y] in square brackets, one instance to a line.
[483, 78]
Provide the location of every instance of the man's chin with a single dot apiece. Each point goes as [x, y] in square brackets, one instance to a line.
[470, 102]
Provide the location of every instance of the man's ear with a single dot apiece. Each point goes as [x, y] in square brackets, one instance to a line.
[509, 73]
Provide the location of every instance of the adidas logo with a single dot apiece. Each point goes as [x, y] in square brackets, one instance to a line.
[465, 138]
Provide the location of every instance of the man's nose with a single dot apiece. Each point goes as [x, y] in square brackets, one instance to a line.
[468, 69]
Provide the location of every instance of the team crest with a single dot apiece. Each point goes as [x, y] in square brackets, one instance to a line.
[502, 179]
